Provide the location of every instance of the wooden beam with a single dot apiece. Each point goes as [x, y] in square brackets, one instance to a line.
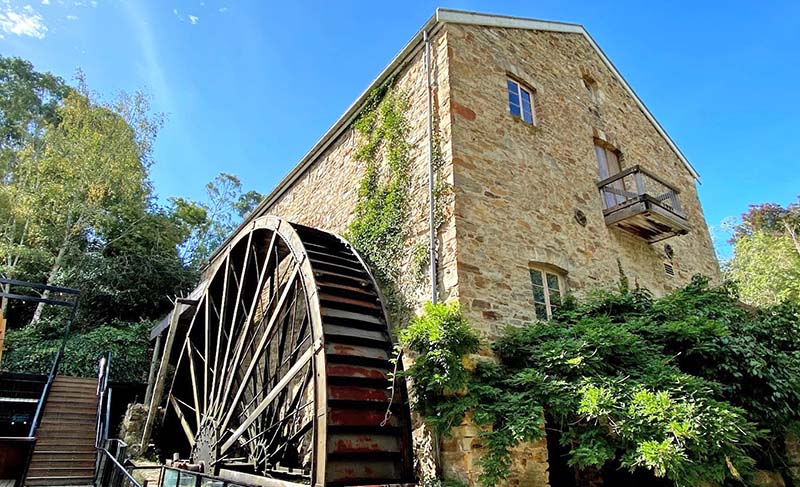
[158, 388]
[151, 375]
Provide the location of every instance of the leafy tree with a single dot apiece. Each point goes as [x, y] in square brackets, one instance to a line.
[216, 218]
[77, 209]
[766, 255]
[28, 101]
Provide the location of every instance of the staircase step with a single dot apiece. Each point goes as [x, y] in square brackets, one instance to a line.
[74, 451]
[64, 480]
[69, 409]
[66, 457]
[67, 378]
[64, 464]
[66, 435]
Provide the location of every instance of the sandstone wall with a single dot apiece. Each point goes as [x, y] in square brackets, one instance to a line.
[326, 194]
[518, 186]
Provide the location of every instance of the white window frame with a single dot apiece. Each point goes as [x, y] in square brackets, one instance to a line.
[544, 272]
[520, 89]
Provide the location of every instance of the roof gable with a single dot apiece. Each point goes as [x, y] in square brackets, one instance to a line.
[486, 20]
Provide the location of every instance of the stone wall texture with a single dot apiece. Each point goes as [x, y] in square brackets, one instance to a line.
[515, 190]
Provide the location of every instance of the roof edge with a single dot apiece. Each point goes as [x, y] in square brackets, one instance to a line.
[508, 22]
[443, 16]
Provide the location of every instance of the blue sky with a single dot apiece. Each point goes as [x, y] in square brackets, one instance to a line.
[249, 86]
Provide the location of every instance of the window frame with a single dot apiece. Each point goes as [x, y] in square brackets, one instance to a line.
[545, 286]
[520, 89]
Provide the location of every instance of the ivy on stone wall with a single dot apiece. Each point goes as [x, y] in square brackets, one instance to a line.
[380, 228]
[693, 387]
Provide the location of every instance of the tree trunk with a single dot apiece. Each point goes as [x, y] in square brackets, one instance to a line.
[57, 264]
[53, 271]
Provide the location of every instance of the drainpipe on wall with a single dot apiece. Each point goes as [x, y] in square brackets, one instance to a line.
[431, 215]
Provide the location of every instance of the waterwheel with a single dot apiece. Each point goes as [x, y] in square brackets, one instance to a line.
[285, 369]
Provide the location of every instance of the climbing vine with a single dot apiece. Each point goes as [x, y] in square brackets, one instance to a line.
[692, 387]
[379, 229]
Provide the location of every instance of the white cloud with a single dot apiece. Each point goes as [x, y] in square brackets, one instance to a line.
[45, 2]
[24, 22]
[222, 10]
[194, 19]
[72, 17]
[93, 3]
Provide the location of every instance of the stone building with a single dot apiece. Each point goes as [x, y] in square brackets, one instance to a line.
[559, 179]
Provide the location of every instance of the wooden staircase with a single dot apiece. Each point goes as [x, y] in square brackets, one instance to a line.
[65, 440]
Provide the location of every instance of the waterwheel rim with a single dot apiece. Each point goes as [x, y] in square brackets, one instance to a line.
[285, 366]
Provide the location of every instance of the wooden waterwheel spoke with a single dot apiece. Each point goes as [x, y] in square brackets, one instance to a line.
[195, 385]
[250, 314]
[296, 368]
[240, 283]
[284, 307]
[264, 340]
[184, 424]
[220, 315]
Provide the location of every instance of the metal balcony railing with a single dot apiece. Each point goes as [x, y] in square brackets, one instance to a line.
[633, 184]
[643, 204]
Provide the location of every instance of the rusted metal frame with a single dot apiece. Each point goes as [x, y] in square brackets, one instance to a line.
[292, 409]
[248, 321]
[296, 368]
[286, 418]
[292, 357]
[183, 349]
[272, 380]
[240, 283]
[263, 319]
[301, 432]
[293, 403]
[264, 341]
[259, 376]
[397, 384]
[288, 316]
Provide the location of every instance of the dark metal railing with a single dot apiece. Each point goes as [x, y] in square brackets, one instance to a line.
[103, 400]
[47, 290]
[176, 477]
[37, 417]
[110, 472]
[635, 184]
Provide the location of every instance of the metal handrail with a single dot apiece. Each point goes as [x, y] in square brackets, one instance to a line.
[37, 417]
[635, 169]
[117, 466]
[636, 184]
[4, 292]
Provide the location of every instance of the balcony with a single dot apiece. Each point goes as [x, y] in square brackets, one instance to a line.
[642, 204]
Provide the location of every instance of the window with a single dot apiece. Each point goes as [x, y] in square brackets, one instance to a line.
[591, 86]
[607, 166]
[520, 102]
[548, 292]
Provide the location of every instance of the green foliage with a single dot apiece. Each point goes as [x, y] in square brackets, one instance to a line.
[213, 220]
[33, 348]
[439, 339]
[766, 254]
[694, 387]
[77, 209]
[379, 228]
